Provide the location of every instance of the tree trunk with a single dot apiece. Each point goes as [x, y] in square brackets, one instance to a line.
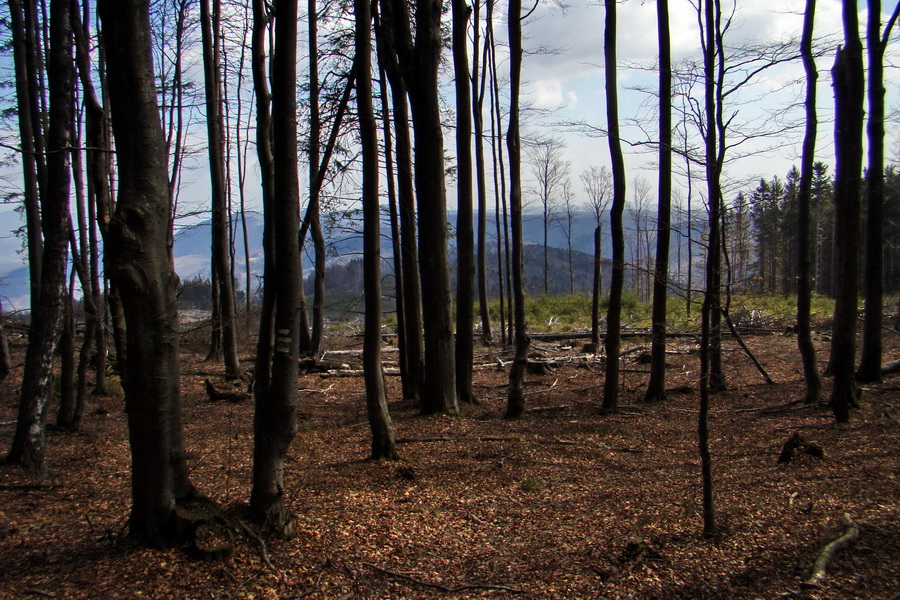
[515, 405]
[28, 443]
[376, 403]
[318, 324]
[394, 216]
[275, 423]
[141, 270]
[614, 311]
[870, 361]
[215, 127]
[710, 295]
[849, 84]
[465, 235]
[412, 298]
[597, 287]
[5, 360]
[98, 196]
[804, 292]
[480, 176]
[23, 43]
[419, 63]
[656, 388]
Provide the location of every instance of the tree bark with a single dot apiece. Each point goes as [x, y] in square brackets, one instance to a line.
[215, 127]
[656, 387]
[412, 298]
[614, 311]
[515, 405]
[710, 295]
[804, 288]
[144, 276]
[275, 423]
[480, 176]
[316, 345]
[22, 29]
[28, 443]
[465, 235]
[419, 62]
[871, 351]
[376, 402]
[849, 84]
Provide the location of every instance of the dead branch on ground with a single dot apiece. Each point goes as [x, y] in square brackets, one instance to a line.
[443, 588]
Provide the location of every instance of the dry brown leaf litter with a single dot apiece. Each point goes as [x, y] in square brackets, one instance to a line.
[564, 503]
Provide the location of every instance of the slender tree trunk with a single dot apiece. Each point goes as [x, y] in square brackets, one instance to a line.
[98, 196]
[656, 388]
[480, 177]
[215, 124]
[614, 312]
[22, 29]
[275, 422]
[318, 324]
[597, 287]
[710, 295]
[804, 293]
[516, 396]
[870, 361]
[399, 292]
[498, 222]
[66, 350]
[5, 360]
[144, 277]
[465, 238]
[376, 403]
[28, 443]
[498, 171]
[849, 83]
[716, 145]
[409, 253]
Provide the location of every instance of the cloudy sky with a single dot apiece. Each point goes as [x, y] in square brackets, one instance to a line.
[569, 81]
[563, 77]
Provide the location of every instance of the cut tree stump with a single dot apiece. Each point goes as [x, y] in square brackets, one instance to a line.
[215, 395]
[797, 444]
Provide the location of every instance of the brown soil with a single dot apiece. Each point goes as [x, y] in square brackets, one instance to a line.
[564, 503]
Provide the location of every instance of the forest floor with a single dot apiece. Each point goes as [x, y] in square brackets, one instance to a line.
[563, 503]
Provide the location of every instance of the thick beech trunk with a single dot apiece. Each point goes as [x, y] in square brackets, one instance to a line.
[849, 85]
[140, 268]
[419, 62]
[275, 423]
[465, 235]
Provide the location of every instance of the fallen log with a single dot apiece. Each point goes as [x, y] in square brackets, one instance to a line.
[889, 368]
[849, 534]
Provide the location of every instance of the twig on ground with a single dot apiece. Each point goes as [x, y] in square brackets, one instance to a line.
[427, 440]
[542, 390]
[443, 588]
[849, 533]
[263, 552]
